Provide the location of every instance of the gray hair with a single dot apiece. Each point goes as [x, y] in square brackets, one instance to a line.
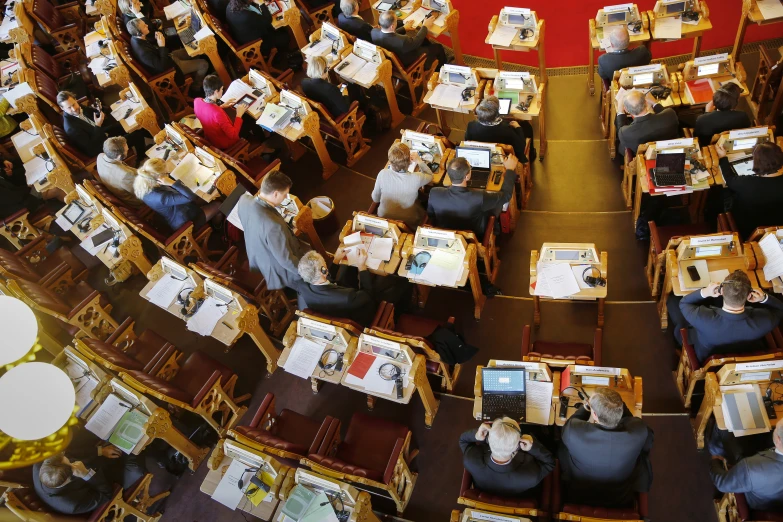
[488, 110]
[316, 67]
[503, 438]
[348, 7]
[310, 266]
[635, 103]
[619, 38]
[607, 405]
[387, 20]
[114, 148]
[133, 27]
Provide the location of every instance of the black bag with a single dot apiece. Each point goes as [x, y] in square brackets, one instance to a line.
[295, 61]
[451, 346]
[376, 110]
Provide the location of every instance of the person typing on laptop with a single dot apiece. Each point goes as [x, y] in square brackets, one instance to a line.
[491, 128]
[503, 461]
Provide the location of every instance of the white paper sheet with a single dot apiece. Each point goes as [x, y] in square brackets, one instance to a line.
[35, 170]
[24, 143]
[381, 248]
[444, 268]
[366, 74]
[176, 9]
[93, 50]
[227, 491]
[202, 33]
[538, 400]
[503, 35]
[322, 47]
[193, 174]
[106, 417]
[17, 92]
[772, 251]
[166, 289]
[770, 9]
[355, 63]
[718, 276]
[444, 95]
[207, 316]
[668, 28]
[83, 383]
[578, 271]
[417, 16]
[304, 357]
[236, 90]
[560, 280]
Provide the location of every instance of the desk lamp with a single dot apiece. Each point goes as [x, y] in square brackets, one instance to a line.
[20, 328]
[40, 399]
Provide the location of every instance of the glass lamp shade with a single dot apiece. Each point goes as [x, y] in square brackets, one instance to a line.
[19, 327]
[38, 399]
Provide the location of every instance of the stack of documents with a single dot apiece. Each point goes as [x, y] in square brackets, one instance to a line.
[9, 22]
[211, 311]
[448, 96]
[358, 69]
[773, 252]
[304, 357]
[116, 421]
[319, 48]
[503, 35]
[275, 117]
[556, 280]
[770, 9]
[165, 290]
[35, 170]
[378, 249]
[538, 401]
[194, 174]
[443, 269]
[119, 111]
[175, 9]
[668, 28]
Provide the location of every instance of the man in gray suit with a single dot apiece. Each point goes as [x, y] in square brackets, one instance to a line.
[644, 121]
[272, 247]
[758, 477]
[408, 48]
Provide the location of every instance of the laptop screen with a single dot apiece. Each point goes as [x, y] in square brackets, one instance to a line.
[673, 163]
[479, 158]
[505, 106]
[503, 380]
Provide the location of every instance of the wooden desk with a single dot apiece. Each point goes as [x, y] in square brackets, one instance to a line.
[630, 389]
[776, 285]
[309, 127]
[206, 45]
[386, 267]
[465, 107]
[536, 43]
[384, 79]
[750, 13]
[688, 30]
[142, 115]
[596, 34]
[585, 294]
[478, 392]
[175, 308]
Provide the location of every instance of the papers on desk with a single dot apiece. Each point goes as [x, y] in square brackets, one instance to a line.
[202, 33]
[239, 89]
[443, 269]
[120, 110]
[668, 28]
[93, 50]
[107, 416]
[718, 276]
[444, 95]
[378, 249]
[227, 491]
[206, 318]
[538, 401]
[503, 35]
[686, 282]
[381, 248]
[129, 431]
[83, 383]
[367, 73]
[275, 117]
[372, 380]
[175, 9]
[350, 66]
[193, 174]
[579, 271]
[35, 171]
[165, 290]
[24, 143]
[17, 92]
[88, 245]
[417, 16]
[773, 252]
[304, 357]
[769, 9]
[556, 280]
[743, 409]
[319, 48]
[9, 22]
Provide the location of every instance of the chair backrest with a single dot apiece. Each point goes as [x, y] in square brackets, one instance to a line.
[133, 220]
[46, 88]
[41, 296]
[45, 14]
[16, 267]
[125, 55]
[75, 155]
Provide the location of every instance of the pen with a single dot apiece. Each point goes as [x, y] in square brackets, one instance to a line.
[227, 325]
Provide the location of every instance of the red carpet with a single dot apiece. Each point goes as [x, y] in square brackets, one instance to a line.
[566, 29]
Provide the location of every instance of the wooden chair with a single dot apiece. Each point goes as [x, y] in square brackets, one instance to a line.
[61, 68]
[629, 178]
[289, 436]
[250, 174]
[690, 370]
[239, 150]
[345, 130]
[23, 226]
[415, 77]
[766, 95]
[532, 503]
[71, 154]
[606, 105]
[375, 453]
[135, 502]
[33, 262]
[233, 271]
[317, 15]
[201, 385]
[734, 507]
[413, 330]
[63, 23]
[560, 353]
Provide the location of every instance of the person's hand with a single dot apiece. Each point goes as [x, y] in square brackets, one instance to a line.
[8, 167]
[510, 162]
[229, 103]
[482, 432]
[415, 157]
[650, 99]
[339, 254]
[241, 109]
[525, 442]
[720, 150]
[710, 106]
[429, 21]
[711, 290]
[514, 124]
[361, 259]
[110, 452]
[408, 25]
[756, 296]
[99, 117]
[160, 39]
[79, 469]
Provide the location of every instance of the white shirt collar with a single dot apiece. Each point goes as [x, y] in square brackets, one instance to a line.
[778, 451]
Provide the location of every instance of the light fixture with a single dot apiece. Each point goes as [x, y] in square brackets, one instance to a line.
[19, 327]
[38, 399]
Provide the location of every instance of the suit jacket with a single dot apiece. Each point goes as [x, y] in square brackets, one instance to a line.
[500, 133]
[272, 247]
[86, 138]
[462, 208]
[407, 48]
[176, 204]
[248, 26]
[339, 301]
[758, 477]
[327, 94]
[118, 179]
[606, 464]
[711, 123]
[661, 125]
[614, 61]
[156, 60]
[356, 26]
[524, 472]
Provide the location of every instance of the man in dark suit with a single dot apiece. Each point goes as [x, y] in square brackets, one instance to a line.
[272, 247]
[460, 208]
[352, 23]
[619, 56]
[720, 115]
[605, 452]
[502, 461]
[644, 121]
[408, 48]
[490, 127]
[86, 127]
[758, 477]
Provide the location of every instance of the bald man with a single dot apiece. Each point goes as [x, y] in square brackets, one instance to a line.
[620, 57]
[644, 121]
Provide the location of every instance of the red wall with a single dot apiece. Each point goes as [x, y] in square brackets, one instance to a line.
[566, 28]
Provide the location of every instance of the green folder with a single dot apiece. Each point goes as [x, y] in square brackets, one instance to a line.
[129, 430]
[320, 511]
[298, 502]
[514, 95]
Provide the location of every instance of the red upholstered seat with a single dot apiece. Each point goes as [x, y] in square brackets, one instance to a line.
[746, 514]
[629, 513]
[566, 351]
[144, 352]
[62, 140]
[290, 432]
[416, 326]
[527, 500]
[113, 355]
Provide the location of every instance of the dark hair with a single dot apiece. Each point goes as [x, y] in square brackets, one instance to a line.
[767, 158]
[736, 288]
[458, 169]
[212, 84]
[726, 97]
[275, 181]
[237, 5]
[63, 96]
[488, 110]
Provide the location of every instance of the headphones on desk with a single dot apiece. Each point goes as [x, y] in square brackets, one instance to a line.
[690, 16]
[659, 92]
[635, 27]
[330, 367]
[185, 301]
[467, 93]
[525, 106]
[593, 279]
[526, 33]
[418, 262]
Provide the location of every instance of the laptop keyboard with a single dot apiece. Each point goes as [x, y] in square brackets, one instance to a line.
[494, 406]
[478, 179]
[188, 35]
[668, 179]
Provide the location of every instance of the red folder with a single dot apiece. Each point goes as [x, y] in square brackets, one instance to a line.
[361, 364]
[701, 90]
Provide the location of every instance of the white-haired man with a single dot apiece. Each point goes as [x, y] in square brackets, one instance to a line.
[503, 461]
[619, 56]
[644, 121]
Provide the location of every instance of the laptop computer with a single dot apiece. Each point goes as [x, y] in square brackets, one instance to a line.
[503, 393]
[743, 166]
[669, 170]
[480, 160]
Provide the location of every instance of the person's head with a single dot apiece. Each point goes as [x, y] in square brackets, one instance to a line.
[349, 7]
[458, 170]
[116, 148]
[767, 159]
[488, 111]
[147, 177]
[67, 102]
[735, 289]
[607, 407]
[388, 21]
[635, 104]
[777, 435]
[125, 7]
[312, 268]
[55, 471]
[726, 97]
[503, 439]
[213, 86]
[316, 67]
[138, 27]
[275, 187]
[399, 157]
[619, 38]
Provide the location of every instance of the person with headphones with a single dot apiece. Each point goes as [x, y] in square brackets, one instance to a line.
[503, 461]
[721, 115]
